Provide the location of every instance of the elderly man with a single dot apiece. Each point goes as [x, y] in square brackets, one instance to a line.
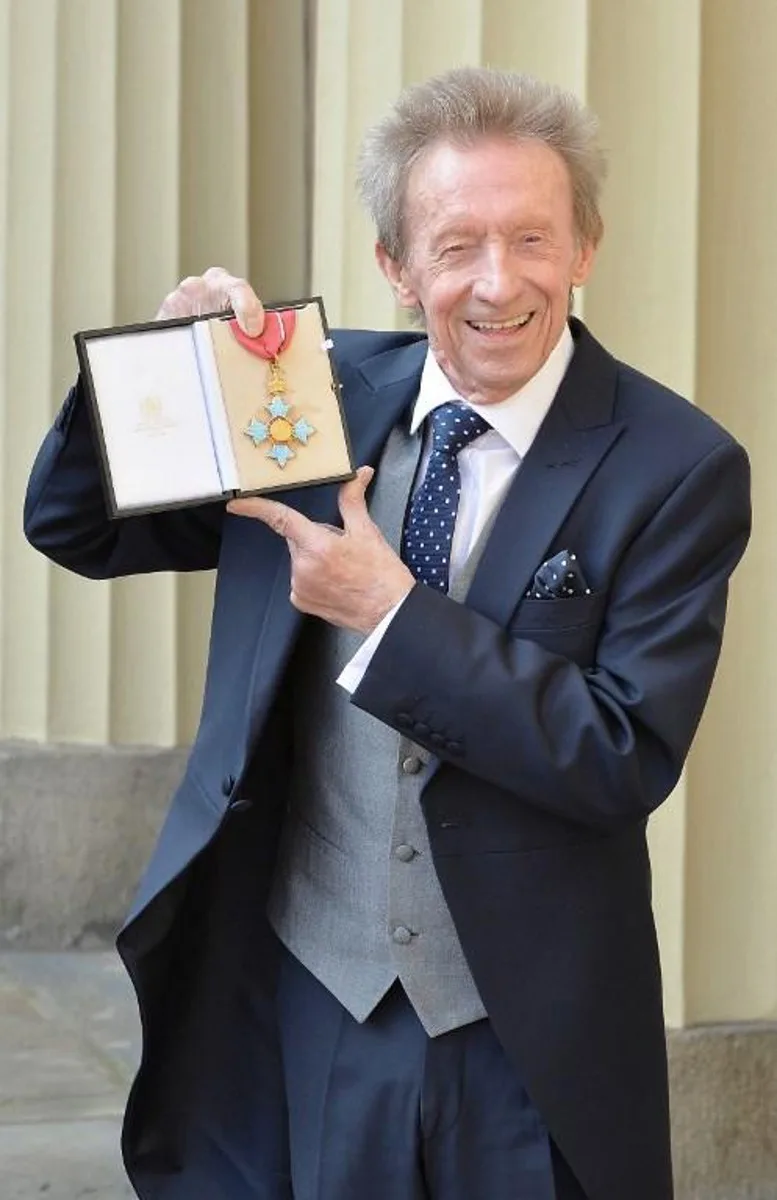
[396, 937]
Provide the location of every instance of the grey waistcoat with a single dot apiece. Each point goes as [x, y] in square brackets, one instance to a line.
[355, 895]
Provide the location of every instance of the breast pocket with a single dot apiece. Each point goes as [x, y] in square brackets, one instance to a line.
[568, 626]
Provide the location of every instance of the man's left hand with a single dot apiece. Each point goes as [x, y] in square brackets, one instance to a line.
[350, 577]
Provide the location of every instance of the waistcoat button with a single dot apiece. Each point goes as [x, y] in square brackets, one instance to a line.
[405, 853]
[411, 765]
[402, 935]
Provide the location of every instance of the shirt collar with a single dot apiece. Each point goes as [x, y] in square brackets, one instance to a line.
[518, 418]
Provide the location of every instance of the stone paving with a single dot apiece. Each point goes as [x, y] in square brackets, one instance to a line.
[69, 1042]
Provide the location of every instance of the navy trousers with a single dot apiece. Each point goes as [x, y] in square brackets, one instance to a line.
[381, 1110]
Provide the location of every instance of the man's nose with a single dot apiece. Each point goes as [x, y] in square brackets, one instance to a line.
[497, 278]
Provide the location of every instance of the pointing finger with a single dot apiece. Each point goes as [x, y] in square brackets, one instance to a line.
[351, 498]
[284, 521]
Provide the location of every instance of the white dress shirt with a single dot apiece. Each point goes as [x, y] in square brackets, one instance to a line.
[487, 466]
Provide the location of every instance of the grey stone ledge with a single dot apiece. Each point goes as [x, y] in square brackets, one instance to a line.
[724, 1111]
[77, 824]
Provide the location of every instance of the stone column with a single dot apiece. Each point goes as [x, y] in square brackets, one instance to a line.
[643, 81]
[731, 961]
[140, 142]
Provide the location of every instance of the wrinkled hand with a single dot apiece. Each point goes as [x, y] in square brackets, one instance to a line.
[349, 577]
[215, 291]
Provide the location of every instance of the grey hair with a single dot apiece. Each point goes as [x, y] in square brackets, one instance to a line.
[461, 107]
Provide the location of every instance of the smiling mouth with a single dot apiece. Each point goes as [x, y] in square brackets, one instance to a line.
[503, 327]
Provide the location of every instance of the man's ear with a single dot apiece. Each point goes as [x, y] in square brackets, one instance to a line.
[584, 261]
[398, 277]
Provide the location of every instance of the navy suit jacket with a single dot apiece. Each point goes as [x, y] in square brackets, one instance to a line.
[558, 724]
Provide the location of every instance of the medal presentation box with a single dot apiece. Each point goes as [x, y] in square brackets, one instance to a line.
[192, 410]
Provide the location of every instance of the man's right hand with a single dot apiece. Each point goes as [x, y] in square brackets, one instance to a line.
[215, 291]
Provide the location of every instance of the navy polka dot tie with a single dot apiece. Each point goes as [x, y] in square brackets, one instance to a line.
[426, 544]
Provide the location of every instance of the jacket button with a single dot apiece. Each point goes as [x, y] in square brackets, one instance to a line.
[405, 853]
[404, 720]
[240, 804]
[227, 784]
[437, 739]
[402, 935]
[411, 765]
[454, 747]
[421, 729]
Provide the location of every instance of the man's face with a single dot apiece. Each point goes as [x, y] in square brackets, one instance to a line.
[492, 253]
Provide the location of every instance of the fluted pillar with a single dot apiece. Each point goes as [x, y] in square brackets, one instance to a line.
[358, 72]
[731, 964]
[139, 142]
[29, 100]
[643, 81]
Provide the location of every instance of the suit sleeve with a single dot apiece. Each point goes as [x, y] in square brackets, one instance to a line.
[65, 515]
[601, 746]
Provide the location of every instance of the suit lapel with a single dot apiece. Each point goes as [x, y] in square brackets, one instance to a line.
[574, 438]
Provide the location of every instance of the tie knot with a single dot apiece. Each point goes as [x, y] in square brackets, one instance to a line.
[454, 427]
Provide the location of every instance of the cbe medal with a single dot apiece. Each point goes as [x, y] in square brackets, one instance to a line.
[276, 427]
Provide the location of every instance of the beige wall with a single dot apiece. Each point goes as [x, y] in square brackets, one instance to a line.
[141, 141]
